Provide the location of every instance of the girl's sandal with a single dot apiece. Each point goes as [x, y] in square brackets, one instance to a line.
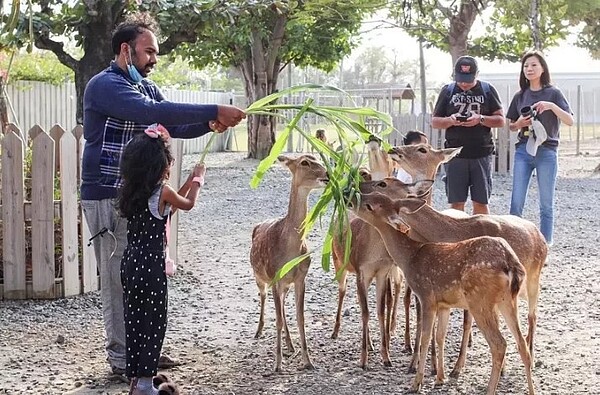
[161, 378]
[168, 389]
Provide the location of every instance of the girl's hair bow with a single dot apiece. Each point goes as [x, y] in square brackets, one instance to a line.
[157, 130]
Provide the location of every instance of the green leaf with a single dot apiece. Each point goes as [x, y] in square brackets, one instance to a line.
[277, 148]
[285, 269]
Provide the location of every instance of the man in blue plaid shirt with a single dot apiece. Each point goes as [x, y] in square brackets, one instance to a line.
[119, 102]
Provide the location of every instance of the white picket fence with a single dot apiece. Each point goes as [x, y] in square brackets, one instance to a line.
[45, 251]
[46, 105]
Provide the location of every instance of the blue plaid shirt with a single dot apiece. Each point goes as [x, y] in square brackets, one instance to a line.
[114, 108]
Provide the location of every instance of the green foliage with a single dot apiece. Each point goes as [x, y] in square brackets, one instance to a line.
[508, 34]
[37, 66]
[507, 31]
[317, 33]
[350, 126]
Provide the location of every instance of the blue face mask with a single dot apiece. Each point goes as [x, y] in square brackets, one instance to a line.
[134, 74]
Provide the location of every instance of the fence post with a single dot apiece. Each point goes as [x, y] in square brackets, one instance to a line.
[68, 197]
[578, 119]
[13, 225]
[42, 214]
[89, 267]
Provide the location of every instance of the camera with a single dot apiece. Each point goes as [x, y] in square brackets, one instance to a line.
[464, 117]
[528, 111]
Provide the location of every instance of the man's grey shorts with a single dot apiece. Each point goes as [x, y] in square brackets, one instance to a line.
[464, 176]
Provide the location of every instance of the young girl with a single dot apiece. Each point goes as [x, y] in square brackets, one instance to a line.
[551, 109]
[146, 200]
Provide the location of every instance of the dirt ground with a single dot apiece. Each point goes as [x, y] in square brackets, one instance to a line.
[56, 347]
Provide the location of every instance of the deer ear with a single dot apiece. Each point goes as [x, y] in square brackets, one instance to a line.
[421, 188]
[450, 153]
[411, 205]
[284, 160]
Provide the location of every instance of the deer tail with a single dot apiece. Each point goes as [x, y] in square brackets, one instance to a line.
[517, 276]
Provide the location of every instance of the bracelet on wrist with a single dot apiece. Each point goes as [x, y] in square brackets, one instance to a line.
[199, 180]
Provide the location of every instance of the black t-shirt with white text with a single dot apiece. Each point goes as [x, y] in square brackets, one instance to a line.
[476, 141]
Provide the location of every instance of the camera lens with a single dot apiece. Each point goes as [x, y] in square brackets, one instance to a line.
[526, 111]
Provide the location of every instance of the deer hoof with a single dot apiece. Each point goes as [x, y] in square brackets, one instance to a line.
[414, 388]
[308, 366]
[433, 372]
[408, 349]
[411, 370]
[455, 373]
[387, 364]
[439, 382]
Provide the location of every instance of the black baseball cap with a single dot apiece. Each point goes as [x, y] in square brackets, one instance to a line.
[465, 69]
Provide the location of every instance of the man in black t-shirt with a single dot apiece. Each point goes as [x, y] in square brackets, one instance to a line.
[468, 109]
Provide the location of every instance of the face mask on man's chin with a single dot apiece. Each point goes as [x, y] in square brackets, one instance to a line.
[134, 74]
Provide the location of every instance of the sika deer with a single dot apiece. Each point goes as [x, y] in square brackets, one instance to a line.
[369, 260]
[276, 242]
[421, 161]
[523, 236]
[481, 275]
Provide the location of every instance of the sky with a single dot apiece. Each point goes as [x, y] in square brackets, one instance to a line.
[564, 58]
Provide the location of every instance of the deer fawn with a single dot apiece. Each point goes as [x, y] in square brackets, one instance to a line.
[278, 241]
[481, 274]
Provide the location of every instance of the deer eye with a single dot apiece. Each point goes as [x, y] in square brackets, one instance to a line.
[382, 184]
[369, 207]
[422, 150]
[305, 163]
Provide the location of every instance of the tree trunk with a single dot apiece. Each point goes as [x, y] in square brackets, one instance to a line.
[460, 27]
[534, 24]
[260, 72]
[3, 108]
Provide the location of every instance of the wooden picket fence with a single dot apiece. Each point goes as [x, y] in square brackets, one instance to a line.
[45, 251]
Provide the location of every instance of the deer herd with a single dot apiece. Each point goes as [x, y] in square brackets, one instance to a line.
[448, 259]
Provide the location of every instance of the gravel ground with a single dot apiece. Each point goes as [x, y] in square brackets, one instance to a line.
[56, 347]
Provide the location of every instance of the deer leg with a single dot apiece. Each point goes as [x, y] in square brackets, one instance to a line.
[440, 337]
[342, 286]
[397, 282]
[279, 322]
[407, 294]
[288, 339]
[383, 288]
[533, 292]
[509, 310]
[429, 314]
[462, 355]
[299, 289]
[262, 290]
[364, 309]
[487, 322]
[412, 367]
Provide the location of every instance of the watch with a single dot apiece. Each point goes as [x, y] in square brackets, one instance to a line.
[481, 119]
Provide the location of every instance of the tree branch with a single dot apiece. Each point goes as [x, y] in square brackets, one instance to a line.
[44, 42]
[177, 38]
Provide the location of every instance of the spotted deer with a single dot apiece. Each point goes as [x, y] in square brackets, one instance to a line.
[523, 236]
[277, 241]
[482, 275]
[369, 260]
[421, 161]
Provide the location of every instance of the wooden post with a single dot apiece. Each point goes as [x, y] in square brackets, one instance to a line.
[13, 225]
[579, 105]
[42, 214]
[69, 212]
[89, 267]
